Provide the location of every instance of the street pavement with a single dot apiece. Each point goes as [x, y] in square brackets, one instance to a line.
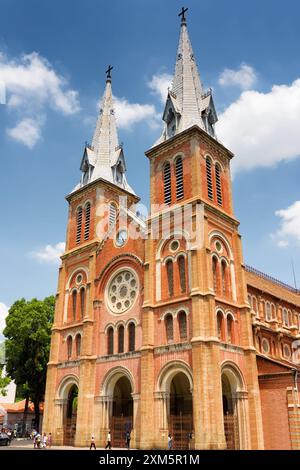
[27, 444]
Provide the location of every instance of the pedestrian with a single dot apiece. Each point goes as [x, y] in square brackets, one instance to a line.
[44, 440]
[49, 441]
[128, 440]
[38, 440]
[190, 437]
[34, 440]
[93, 445]
[170, 441]
[108, 445]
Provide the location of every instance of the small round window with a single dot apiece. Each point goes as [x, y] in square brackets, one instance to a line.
[265, 346]
[79, 279]
[174, 245]
[218, 246]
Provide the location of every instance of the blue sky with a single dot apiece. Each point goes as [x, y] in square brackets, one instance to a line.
[53, 55]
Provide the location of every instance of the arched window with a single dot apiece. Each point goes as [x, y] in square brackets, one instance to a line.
[230, 324]
[131, 337]
[210, 193]
[78, 225]
[167, 183]
[218, 184]
[268, 311]
[182, 275]
[169, 327]
[179, 178]
[74, 303]
[112, 216]
[82, 301]
[78, 345]
[69, 347]
[254, 303]
[215, 273]
[224, 274]
[285, 317]
[273, 308]
[170, 275]
[110, 340]
[87, 221]
[182, 325]
[121, 339]
[220, 325]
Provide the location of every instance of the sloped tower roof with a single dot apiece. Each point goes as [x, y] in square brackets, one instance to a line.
[187, 104]
[105, 158]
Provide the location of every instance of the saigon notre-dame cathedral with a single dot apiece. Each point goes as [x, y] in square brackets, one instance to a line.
[159, 326]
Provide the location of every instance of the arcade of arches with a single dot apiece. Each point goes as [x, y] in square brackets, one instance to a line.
[174, 405]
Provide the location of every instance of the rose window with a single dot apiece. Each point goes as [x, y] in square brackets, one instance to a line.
[122, 291]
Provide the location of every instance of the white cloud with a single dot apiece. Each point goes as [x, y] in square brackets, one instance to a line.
[50, 253]
[245, 77]
[262, 129]
[31, 87]
[159, 85]
[128, 114]
[289, 225]
[31, 80]
[27, 131]
[3, 315]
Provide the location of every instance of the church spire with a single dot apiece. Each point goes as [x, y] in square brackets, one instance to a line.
[187, 104]
[105, 158]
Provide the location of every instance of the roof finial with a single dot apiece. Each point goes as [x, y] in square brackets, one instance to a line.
[108, 73]
[182, 14]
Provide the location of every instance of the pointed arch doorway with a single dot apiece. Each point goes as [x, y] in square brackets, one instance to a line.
[122, 412]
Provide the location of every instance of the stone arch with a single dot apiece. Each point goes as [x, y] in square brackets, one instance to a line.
[180, 233]
[169, 371]
[216, 233]
[112, 377]
[175, 402]
[65, 386]
[235, 406]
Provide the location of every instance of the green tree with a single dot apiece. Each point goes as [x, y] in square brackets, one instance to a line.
[4, 381]
[27, 345]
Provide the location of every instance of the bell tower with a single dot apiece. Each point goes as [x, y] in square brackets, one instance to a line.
[194, 265]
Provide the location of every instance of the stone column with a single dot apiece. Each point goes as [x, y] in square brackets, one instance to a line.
[241, 401]
[135, 433]
[58, 421]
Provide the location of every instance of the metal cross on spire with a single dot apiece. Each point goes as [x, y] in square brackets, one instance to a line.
[108, 72]
[182, 14]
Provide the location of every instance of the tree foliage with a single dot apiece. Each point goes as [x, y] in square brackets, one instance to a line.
[4, 380]
[27, 345]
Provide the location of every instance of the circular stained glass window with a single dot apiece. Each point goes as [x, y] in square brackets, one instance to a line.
[122, 291]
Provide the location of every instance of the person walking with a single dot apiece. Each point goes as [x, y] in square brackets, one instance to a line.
[44, 440]
[127, 439]
[170, 441]
[108, 445]
[49, 441]
[93, 445]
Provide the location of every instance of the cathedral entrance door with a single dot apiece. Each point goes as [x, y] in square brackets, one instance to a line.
[122, 412]
[181, 412]
[71, 417]
[231, 427]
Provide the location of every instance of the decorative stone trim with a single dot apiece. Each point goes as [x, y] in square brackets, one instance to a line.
[118, 357]
[172, 348]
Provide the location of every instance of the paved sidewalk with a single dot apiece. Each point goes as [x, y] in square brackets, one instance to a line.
[27, 444]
